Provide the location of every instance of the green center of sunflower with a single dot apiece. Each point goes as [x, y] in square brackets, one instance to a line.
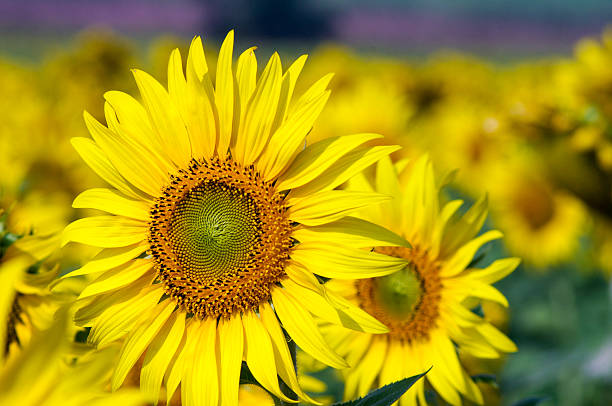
[406, 301]
[399, 293]
[212, 230]
[219, 236]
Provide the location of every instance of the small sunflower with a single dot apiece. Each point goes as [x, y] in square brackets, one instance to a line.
[427, 304]
[219, 215]
[541, 224]
[40, 376]
[32, 304]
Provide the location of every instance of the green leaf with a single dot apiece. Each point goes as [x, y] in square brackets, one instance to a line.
[386, 395]
[531, 401]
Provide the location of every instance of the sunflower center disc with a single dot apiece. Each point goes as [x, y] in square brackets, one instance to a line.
[219, 236]
[535, 203]
[407, 300]
[399, 292]
[213, 229]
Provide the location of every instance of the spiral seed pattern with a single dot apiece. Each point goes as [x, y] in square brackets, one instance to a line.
[220, 237]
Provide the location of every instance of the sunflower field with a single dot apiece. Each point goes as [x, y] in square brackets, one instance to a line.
[197, 219]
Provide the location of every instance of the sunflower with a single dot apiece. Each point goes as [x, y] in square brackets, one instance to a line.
[428, 304]
[219, 215]
[44, 372]
[542, 224]
[31, 302]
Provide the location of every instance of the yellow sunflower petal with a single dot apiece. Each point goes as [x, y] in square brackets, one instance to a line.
[286, 369]
[498, 339]
[175, 369]
[254, 132]
[443, 387]
[177, 84]
[117, 278]
[201, 114]
[196, 60]
[133, 118]
[108, 259]
[112, 202]
[464, 255]
[313, 92]
[105, 231]
[224, 93]
[246, 78]
[344, 169]
[99, 162]
[231, 344]
[463, 287]
[160, 353]
[164, 116]
[302, 328]
[459, 230]
[447, 212]
[259, 352]
[393, 369]
[138, 340]
[497, 270]
[202, 378]
[289, 80]
[445, 355]
[185, 375]
[350, 231]
[388, 184]
[140, 139]
[331, 205]
[90, 309]
[316, 158]
[117, 320]
[338, 261]
[289, 138]
[134, 162]
[334, 309]
[370, 366]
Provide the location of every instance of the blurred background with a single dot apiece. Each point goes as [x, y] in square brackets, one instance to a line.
[515, 95]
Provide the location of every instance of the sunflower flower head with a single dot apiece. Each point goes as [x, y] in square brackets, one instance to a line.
[219, 217]
[427, 305]
[31, 303]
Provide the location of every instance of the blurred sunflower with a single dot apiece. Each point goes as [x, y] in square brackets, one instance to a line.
[428, 304]
[32, 304]
[467, 136]
[541, 224]
[33, 318]
[40, 376]
[213, 184]
[368, 105]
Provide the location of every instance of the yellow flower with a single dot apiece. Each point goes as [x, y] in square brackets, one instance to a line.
[465, 136]
[32, 303]
[541, 224]
[234, 214]
[368, 105]
[426, 305]
[38, 374]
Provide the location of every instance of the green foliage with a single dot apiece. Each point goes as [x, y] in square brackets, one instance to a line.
[531, 401]
[386, 395]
